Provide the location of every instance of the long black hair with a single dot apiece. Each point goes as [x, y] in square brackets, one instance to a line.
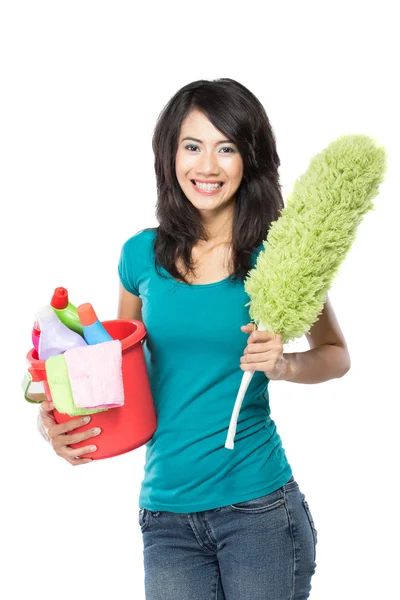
[239, 115]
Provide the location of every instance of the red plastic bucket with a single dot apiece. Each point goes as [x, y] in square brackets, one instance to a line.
[126, 427]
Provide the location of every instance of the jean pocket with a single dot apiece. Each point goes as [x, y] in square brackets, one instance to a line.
[311, 520]
[143, 518]
[260, 504]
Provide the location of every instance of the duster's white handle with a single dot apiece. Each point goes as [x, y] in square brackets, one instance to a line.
[247, 376]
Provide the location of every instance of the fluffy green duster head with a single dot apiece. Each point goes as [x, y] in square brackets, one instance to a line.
[307, 244]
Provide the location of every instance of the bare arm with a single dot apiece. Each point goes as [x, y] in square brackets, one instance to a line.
[328, 357]
[129, 305]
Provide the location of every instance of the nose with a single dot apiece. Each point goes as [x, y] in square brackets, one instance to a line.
[208, 164]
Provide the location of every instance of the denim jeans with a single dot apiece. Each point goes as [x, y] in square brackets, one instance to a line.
[261, 549]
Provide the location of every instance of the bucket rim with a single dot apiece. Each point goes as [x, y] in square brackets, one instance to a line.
[126, 343]
[134, 337]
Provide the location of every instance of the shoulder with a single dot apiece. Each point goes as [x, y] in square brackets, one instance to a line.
[255, 254]
[140, 239]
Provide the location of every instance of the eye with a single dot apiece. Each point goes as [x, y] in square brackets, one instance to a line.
[231, 150]
[227, 148]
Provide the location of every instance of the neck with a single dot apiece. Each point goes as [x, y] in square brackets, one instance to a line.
[218, 226]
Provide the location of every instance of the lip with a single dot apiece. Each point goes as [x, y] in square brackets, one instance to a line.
[207, 192]
[208, 180]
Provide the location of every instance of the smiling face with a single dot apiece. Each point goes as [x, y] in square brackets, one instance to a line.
[205, 155]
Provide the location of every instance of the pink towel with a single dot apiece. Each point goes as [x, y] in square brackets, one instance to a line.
[95, 374]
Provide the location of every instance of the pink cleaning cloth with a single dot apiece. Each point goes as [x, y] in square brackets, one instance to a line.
[95, 374]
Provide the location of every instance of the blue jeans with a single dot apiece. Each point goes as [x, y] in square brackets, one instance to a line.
[261, 549]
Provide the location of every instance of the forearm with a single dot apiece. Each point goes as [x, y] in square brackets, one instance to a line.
[317, 364]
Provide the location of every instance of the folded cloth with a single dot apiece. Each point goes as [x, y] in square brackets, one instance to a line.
[60, 387]
[95, 373]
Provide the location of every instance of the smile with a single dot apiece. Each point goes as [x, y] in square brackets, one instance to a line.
[207, 189]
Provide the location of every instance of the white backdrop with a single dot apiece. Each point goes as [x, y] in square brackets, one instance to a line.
[82, 85]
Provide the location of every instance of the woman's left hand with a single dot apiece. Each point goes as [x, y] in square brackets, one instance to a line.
[264, 352]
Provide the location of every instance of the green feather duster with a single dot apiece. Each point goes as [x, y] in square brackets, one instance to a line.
[306, 246]
[308, 243]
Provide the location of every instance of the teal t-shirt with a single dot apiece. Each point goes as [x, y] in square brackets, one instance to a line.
[192, 351]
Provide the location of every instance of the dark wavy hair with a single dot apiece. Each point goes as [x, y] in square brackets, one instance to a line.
[239, 115]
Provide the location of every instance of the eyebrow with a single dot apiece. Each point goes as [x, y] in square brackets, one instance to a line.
[196, 140]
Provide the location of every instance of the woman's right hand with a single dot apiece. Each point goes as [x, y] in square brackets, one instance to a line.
[58, 436]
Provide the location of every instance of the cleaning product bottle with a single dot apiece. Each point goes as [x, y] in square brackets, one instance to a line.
[36, 336]
[66, 311]
[55, 337]
[93, 330]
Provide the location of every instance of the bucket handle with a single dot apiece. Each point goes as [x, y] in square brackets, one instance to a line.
[25, 384]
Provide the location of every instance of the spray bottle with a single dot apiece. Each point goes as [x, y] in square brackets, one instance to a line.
[55, 337]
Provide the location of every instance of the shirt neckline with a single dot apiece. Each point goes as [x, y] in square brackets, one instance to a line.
[200, 285]
[196, 285]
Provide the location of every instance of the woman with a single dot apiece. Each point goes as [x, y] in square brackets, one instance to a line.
[216, 523]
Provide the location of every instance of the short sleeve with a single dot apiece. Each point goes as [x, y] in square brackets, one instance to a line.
[127, 267]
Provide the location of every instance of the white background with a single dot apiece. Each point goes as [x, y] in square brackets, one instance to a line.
[82, 86]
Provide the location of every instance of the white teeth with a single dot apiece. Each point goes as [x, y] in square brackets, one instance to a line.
[207, 186]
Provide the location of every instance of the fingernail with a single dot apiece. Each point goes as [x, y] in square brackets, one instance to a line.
[51, 404]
